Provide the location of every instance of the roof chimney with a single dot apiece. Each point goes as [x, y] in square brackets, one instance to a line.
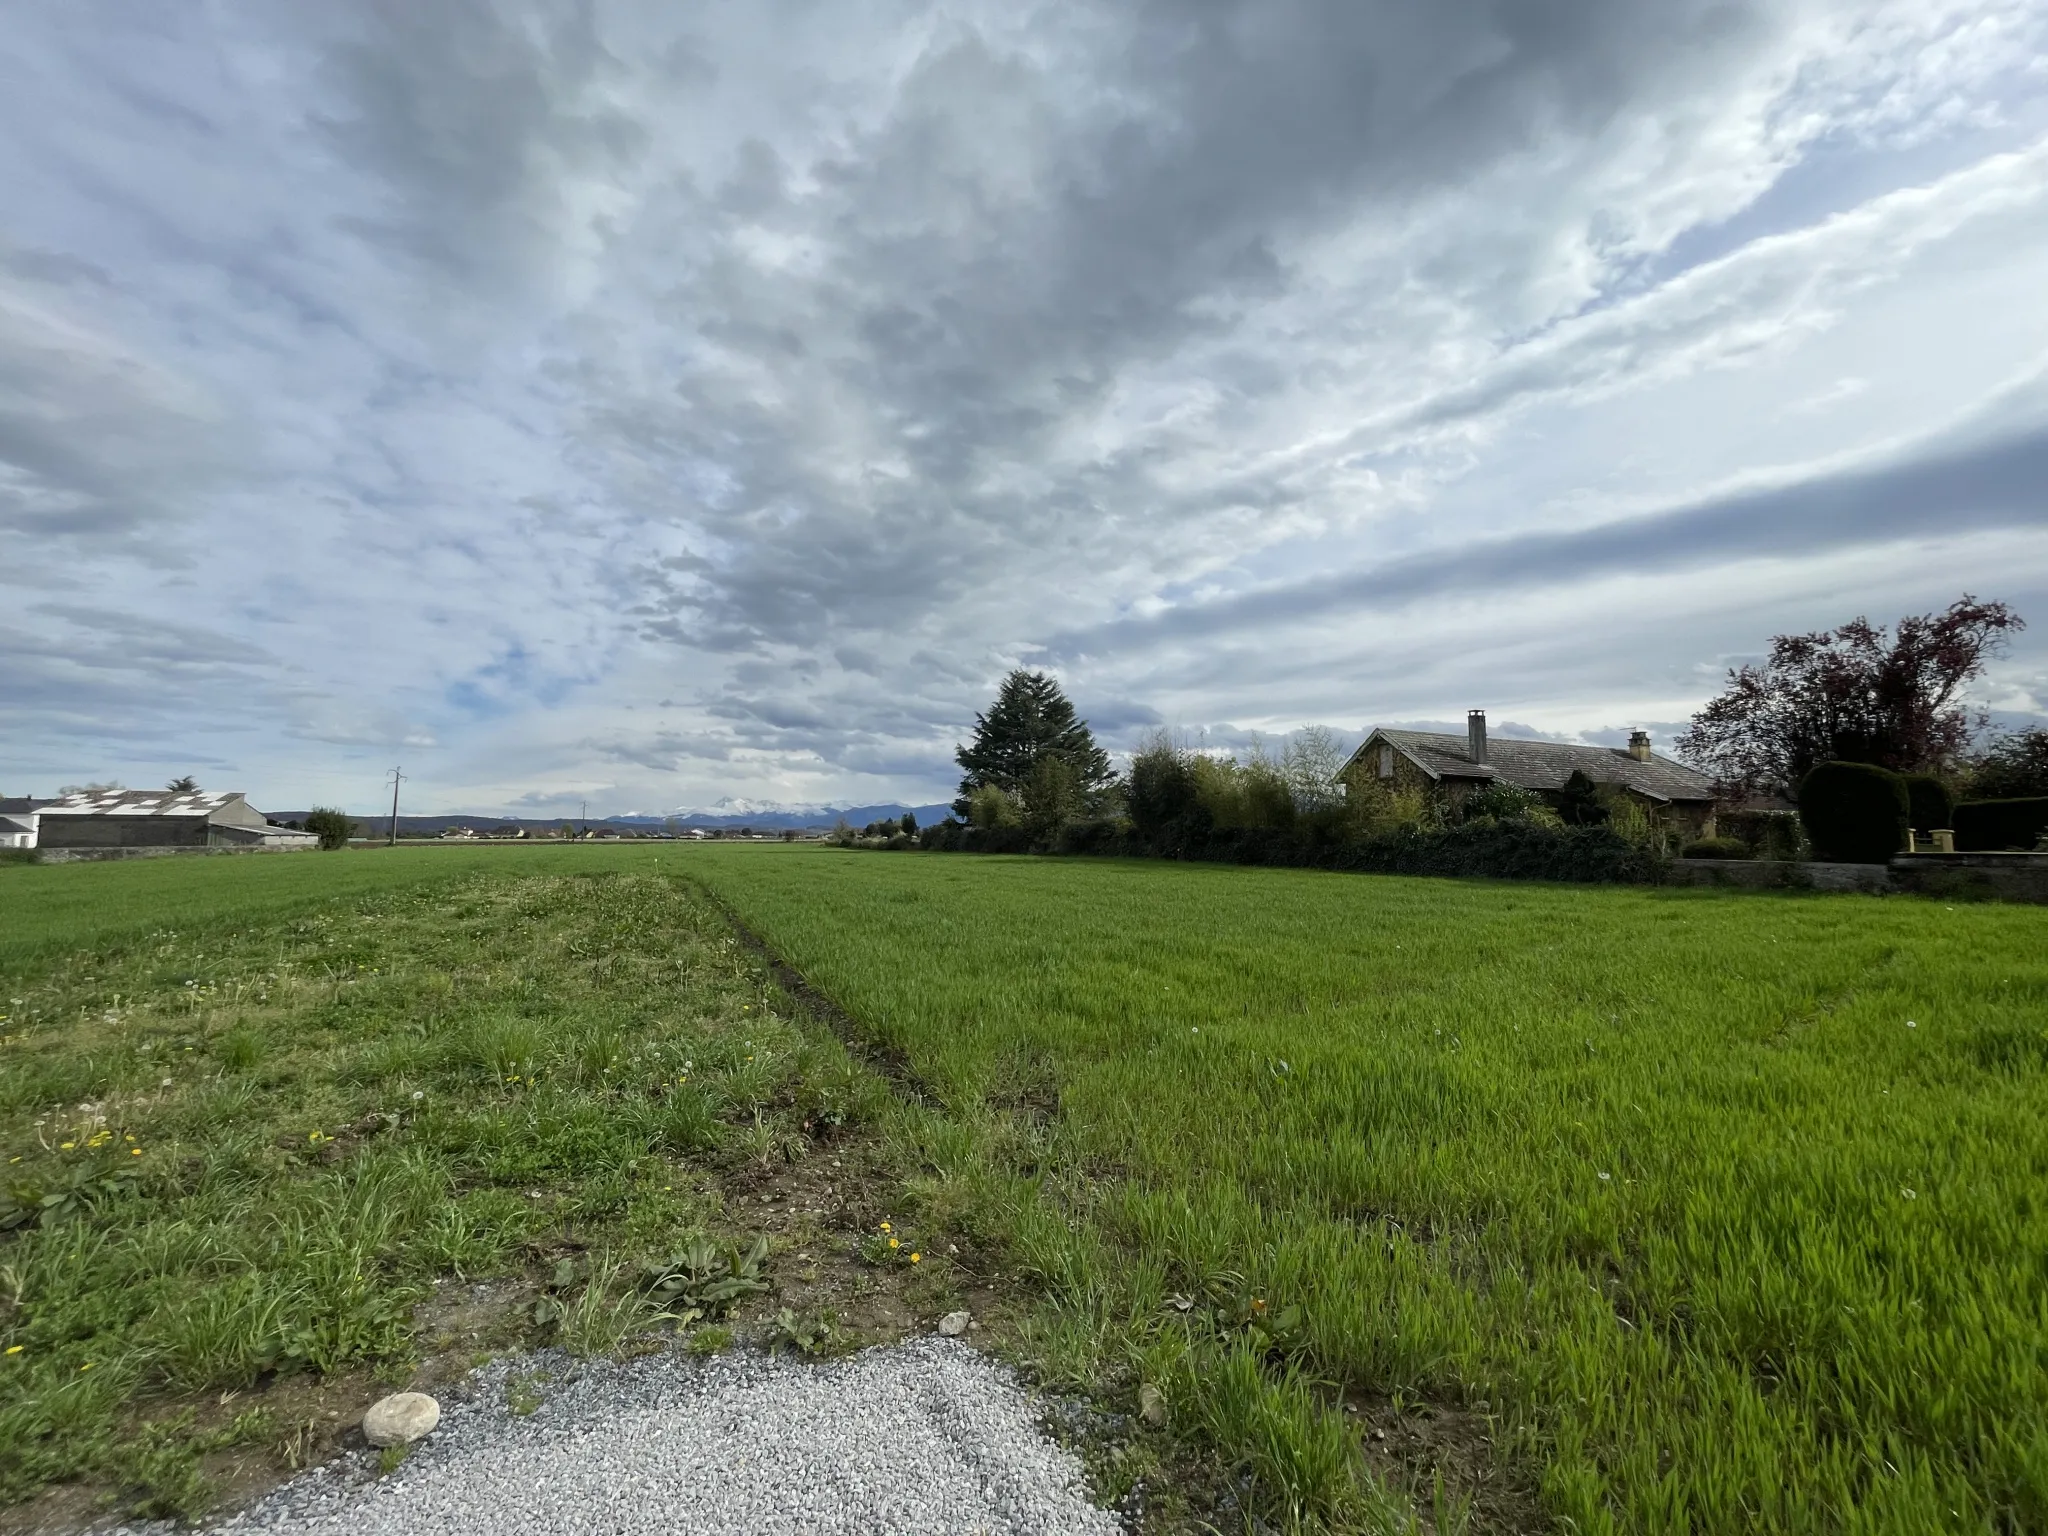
[1475, 734]
[1639, 746]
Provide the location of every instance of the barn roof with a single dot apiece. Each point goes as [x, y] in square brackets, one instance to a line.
[1545, 765]
[143, 802]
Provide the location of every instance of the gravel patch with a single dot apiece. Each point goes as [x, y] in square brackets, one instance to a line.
[926, 1435]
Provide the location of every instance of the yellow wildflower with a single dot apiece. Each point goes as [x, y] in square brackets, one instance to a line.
[892, 1242]
[917, 1258]
[14, 1349]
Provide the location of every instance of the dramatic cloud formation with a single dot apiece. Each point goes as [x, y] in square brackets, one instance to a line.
[652, 403]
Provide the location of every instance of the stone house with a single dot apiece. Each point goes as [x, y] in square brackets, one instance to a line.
[1452, 767]
[161, 818]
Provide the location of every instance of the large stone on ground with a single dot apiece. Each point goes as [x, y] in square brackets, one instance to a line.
[953, 1324]
[401, 1418]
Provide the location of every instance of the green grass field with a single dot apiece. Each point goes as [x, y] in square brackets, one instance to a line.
[254, 1109]
[1719, 1211]
[1733, 1208]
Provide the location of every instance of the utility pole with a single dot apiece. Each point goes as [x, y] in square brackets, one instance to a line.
[396, 779]
[585, 818]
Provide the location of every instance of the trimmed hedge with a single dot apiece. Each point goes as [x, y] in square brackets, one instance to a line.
[1987, 826]
[1854, 813]
[1508, 850]
[1716, 848]
[1930, 802]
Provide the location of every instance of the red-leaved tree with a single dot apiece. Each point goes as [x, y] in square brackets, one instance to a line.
[1856, 694]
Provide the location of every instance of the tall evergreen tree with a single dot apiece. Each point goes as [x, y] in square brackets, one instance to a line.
[1031, 718]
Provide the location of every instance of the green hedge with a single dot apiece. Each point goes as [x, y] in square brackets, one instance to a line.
[1930, 802]
[1716, 848]
[1988, 826]
[1509, 850]
[1854, 813]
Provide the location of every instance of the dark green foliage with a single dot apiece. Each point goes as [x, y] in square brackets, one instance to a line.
[20, 856]
[184, 784]
[1500, 801]
[1518, 850]
[1716, 848]
[1854, 813]
[1768, 834]
[1930, 802]
[331, 826]
[1579, 802]
[1052, 797]
[909, 824]
[1989, 826]
[1161, 795]
[1030, 719]
[2016, 767]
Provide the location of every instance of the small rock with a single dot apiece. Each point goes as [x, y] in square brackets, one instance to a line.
[401, 1418]
[953, 1324]
[1152, 1405]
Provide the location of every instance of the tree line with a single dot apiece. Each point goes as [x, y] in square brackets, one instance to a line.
[1033, 775]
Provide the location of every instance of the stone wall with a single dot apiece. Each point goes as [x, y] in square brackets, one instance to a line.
[1953, 876]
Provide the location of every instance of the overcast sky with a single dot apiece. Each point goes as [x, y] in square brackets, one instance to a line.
[652, 402]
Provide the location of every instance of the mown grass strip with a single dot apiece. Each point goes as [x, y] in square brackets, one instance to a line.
[243, 1148]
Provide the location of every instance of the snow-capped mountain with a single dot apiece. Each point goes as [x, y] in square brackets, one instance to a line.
[734, 805]
[734, 811]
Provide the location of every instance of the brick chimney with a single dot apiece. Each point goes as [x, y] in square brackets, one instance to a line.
[1475, 734]
[1639, 746]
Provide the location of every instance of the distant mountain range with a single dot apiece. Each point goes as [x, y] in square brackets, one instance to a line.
[727, 814]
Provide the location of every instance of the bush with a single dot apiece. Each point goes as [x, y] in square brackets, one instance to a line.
[1579, 802]
[1716, 848]
[1501, 801]
[1768, 834]
[1161, 794]
[1931, 803]
[990, 808]
[1854, 813]
[20, 856]
[2015, 768]
[1988, 826]
[332, 827]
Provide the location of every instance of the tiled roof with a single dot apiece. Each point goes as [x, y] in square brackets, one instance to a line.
[1542, 765]
[142, 802]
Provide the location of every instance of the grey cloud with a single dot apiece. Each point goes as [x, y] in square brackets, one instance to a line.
[975, 292]
[811, 380]
[470, 116]
[1992, 486]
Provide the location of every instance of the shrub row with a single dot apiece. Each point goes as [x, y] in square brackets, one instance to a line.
[1511, 850]
[1988, 826]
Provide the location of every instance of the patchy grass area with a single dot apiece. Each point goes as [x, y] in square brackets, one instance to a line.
[1641, 1210]
[324, 1125]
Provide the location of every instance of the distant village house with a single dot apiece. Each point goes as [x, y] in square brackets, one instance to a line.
[1453, 767]
[18, 820]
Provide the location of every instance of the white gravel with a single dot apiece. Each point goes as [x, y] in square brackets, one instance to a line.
[927, 1435]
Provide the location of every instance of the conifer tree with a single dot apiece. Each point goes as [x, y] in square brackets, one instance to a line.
[1031, 718]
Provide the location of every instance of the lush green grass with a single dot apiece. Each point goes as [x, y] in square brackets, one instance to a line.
[1733, 1206]
[253, 1108]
